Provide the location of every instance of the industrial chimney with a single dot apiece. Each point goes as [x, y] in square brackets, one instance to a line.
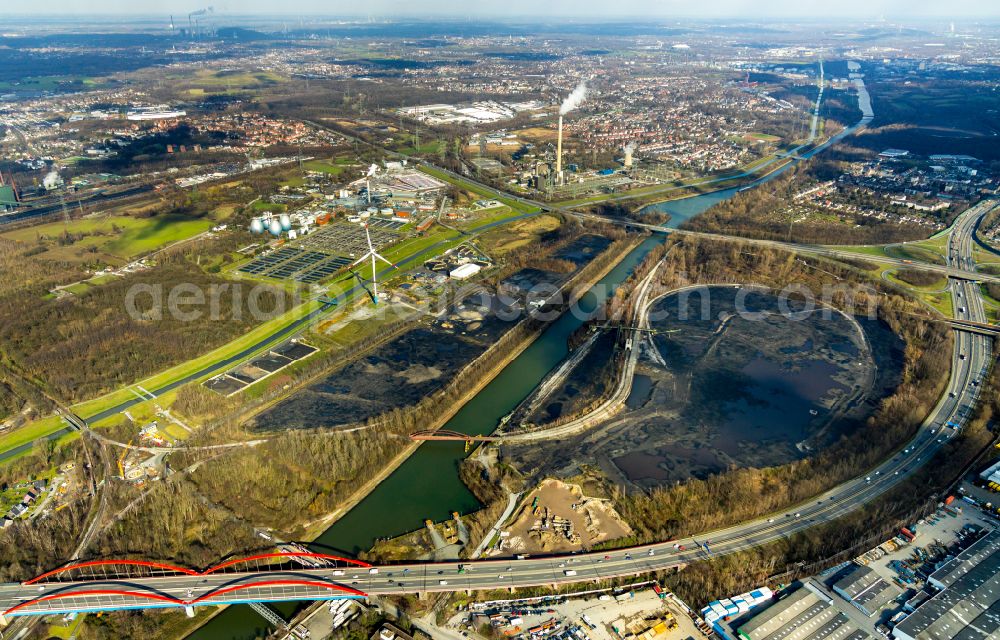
[559, 151]
[628, 156]
[571, 102]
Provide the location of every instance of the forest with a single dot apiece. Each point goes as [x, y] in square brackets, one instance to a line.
[84, 345]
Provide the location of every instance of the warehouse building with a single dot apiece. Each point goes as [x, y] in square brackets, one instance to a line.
[8, 197]
[968, 605]
[992, 475]
[805, 614]
[866, 590]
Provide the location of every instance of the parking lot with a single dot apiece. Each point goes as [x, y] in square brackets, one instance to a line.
[939, 529]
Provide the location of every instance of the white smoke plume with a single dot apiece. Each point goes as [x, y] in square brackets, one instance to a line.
[631, 146]
[574, 99]
[51, 180]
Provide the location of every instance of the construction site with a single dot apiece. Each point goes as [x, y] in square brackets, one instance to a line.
[557, 517]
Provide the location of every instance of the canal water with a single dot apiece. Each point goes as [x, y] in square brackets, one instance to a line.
[427, 484]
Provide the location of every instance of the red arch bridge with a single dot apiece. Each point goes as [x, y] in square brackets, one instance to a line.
[104, 585]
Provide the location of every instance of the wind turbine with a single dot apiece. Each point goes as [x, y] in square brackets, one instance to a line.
[372, 254]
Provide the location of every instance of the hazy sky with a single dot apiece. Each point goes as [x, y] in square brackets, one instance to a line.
[899, 9]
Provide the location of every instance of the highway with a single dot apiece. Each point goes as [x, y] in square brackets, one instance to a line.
[104, 591]
[971, 360]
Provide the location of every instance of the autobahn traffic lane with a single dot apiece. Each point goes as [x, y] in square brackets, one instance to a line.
[969, 360]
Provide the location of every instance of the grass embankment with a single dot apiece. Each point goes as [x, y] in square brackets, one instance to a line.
[917, 252]
[927, 286]
[928, 251]
[873, 251]
[983, 256]
[991, 301]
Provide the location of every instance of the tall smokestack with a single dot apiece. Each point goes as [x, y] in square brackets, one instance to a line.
[628, 156]
[571, 102]
[559, 151]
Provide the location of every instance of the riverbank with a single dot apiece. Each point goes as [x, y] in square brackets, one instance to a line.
[576, 287]
[716, 185]
[418, 484]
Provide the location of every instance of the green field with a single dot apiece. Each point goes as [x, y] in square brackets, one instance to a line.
[260, 205]
[767, 137]
[31, 432]
[124, 237]
[322, 166]
[915, 253]
[84, 286]
[226, 82]
[46, 83]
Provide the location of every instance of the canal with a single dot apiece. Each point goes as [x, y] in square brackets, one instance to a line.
[427, 485]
